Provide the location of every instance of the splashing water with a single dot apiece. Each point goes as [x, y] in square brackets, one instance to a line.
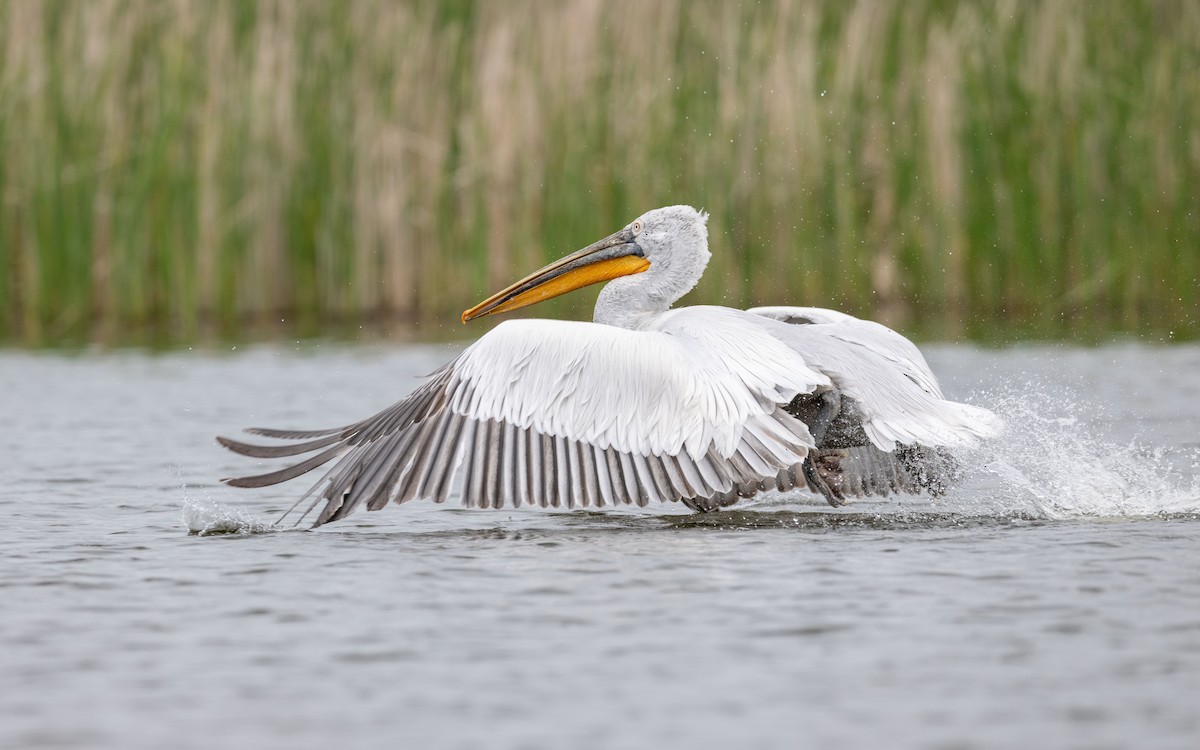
[207, 518]
[1049, 460]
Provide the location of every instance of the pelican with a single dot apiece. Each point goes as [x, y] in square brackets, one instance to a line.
[647, 403]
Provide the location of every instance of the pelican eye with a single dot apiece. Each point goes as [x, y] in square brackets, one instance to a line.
[637, 227]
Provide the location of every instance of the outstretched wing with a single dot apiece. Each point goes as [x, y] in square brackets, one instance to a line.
[897, 396]
[895, 429]
[566, 414]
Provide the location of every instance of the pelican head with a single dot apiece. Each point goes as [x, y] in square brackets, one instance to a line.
[667, 246]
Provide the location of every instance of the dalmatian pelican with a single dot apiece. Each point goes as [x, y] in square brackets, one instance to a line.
[647, 403]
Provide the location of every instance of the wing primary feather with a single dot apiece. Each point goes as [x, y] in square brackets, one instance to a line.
[591, 492]
[723, 469]
[508, 468]
[770, 447]
[452, 461]
[332, 503]
[771, 464]
[426, 437]
[739, 464]
[277, 451]
[373, 485]
[691, 475]
[647, 484]
[291, 472]
[794, 429]
[380, 470]
[426, 440]
[334, 493]
[521, 489]
[302, 434]
[576, 485]
[537, 479]
[563, 467]
[615, 478]
[782, 481]
[400, 467]
[634, 485]
[343, 475]
[671, 465]
[444, 454]
[710, 473]
[785, 431]
[550, 470]
[491, 482]
[661, 482]
[603, 480]
[794, 473]
[474, 497]
[466, 444]
[320, 483]
[724, 499]
[747, 489]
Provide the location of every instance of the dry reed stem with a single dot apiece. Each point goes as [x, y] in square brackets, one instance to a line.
[186, 164]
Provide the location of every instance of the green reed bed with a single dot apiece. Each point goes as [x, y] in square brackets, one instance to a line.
[955, 167]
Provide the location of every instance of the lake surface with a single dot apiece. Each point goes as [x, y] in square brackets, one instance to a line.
[1051, 601]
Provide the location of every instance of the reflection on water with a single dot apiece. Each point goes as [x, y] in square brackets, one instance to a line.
[1050, 596]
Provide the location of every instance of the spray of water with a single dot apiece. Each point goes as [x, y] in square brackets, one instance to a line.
[206, 517]
[1053, 463]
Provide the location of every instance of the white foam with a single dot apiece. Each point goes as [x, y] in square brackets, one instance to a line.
[205, 517]
[1051, 463]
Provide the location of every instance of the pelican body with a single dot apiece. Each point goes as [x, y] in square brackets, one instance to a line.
[646, 404]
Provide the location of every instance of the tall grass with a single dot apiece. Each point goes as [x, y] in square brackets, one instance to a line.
[189, 166]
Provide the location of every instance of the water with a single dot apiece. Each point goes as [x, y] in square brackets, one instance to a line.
[1054, 600]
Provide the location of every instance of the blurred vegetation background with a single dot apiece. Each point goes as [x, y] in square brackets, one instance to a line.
[175, 169]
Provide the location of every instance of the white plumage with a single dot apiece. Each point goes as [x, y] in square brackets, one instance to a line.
[683, 386]
[699, 404]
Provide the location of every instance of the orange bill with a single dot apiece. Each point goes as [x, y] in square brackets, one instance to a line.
[614, 256]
